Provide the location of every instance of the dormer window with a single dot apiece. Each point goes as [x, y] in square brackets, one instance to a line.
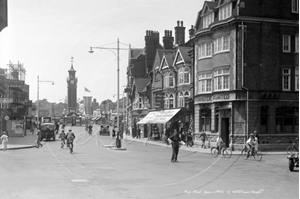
[225, 11]
[207, 19]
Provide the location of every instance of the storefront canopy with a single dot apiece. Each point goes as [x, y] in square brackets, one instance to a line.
[96, 118]
[159, 117]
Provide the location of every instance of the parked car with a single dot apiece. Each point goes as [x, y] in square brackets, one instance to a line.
[47, 131]
[104, 130]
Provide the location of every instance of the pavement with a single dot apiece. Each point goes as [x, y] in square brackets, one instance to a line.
[195, 148]
[23, 142]
[29, 141]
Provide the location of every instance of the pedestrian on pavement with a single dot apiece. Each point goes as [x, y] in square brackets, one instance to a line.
[56, 127]
[203, 137]
[38, 138]
[113, 132]
[256, 140]
[4, 139]
[175, 142]
[138, 133]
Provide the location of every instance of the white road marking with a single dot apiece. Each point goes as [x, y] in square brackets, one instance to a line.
[80, 180]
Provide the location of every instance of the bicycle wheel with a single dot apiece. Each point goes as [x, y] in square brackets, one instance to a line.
[291, 150]
[257, 155]
[214, 151]
[245, 154]
[227, 153]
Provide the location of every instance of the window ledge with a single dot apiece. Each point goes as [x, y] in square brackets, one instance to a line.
[207, 57]
[224, 51]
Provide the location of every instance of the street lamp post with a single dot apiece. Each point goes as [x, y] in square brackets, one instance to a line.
[38, 94]
[118, 142]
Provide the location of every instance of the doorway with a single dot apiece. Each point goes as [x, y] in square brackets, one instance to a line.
[225, 131]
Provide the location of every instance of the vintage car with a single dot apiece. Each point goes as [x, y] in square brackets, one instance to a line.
[47, 131]
[104, 130]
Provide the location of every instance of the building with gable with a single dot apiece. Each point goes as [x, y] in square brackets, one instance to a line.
[171, 86]
[138, 94]
[247, 71]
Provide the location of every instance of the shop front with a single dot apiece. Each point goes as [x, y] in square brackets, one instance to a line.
[157, 121]
[136, 116]
[235, 117]
[214, 114]
[15, 120]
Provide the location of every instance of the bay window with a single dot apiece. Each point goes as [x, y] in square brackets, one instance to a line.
[221, 79]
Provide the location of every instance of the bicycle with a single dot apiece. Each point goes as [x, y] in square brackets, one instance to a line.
[226, 152]
[256, 154]
[292, 149]
[62, 143]
[90, 131]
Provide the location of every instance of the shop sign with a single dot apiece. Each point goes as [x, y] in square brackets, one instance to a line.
[220, 97]
[159, 99]
[159, 117]
[17, 110]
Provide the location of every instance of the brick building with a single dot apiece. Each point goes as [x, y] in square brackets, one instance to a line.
[247, 71]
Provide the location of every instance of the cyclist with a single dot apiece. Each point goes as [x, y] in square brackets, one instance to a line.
[219, 142]
[70, 137]
[250, 144]
[62, 136]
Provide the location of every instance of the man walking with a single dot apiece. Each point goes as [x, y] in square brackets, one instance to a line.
[175, 141]
[203, 137]
[38, 138]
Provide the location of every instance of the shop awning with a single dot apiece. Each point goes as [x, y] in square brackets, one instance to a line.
[95, 118]
[159, 117]
[98, 118]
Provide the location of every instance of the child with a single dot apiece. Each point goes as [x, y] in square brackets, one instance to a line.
[62, 137]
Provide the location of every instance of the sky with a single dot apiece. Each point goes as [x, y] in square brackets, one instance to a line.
[43, 35]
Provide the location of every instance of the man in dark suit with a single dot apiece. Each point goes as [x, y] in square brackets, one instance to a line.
[175, 141]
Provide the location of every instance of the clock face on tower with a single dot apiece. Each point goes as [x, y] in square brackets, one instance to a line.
[72, 81]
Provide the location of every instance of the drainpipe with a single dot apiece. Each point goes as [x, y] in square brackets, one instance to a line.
[243, 82]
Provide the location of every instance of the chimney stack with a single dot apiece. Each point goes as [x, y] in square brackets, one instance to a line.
[191, 31]
[168, 40]
[151, 44]
[180, 33]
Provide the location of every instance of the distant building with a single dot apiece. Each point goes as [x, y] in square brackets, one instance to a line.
[72, 89]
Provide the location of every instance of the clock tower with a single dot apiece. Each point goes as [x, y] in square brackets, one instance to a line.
[72, 89]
